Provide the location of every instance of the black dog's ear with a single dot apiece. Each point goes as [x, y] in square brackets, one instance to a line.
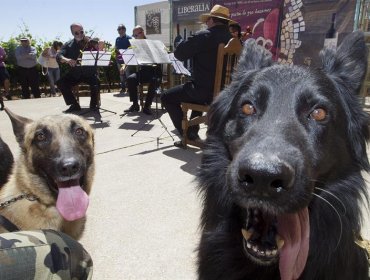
[253, 57]
[348, 64]
[18, 124]
[347, 67]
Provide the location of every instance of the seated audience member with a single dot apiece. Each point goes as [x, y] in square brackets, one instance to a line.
[69, 54]
[28, 75]
[122, 42]
[4, 78]
[236, 32]
[53, 66]
[146, 74]
[202, 49]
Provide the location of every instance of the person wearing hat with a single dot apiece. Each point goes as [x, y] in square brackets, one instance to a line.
[26, 56]
[202, 49]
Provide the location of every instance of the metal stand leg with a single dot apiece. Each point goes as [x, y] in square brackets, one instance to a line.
[157, 117]
[98, 110]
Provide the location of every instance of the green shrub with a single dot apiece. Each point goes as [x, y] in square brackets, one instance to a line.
[108, 73]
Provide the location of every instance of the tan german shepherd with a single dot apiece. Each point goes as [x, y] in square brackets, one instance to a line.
[52, 177]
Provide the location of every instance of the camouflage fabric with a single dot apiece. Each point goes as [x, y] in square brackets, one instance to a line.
[43, 254]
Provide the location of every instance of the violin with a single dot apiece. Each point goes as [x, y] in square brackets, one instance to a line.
[91, 44]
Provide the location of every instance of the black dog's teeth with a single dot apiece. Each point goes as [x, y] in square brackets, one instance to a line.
[260, 235]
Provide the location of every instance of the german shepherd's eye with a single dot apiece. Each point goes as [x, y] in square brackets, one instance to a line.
[248, 109]
[318, 114]
[40, 136]
[79, 131]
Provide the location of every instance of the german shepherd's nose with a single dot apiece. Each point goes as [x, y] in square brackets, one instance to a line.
[68, 167]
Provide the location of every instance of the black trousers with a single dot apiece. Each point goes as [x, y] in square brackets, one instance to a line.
[172, 98]
[146, 74]
[71, 79]
[29, 77]
[133, 81]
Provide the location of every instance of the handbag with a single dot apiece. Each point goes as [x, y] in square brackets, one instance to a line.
[43, 61]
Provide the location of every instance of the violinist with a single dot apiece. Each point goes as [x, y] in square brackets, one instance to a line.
[69, 54]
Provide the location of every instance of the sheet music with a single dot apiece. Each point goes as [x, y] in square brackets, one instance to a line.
[128, 56]
[89, 58]
[178, 65]
[149, 51]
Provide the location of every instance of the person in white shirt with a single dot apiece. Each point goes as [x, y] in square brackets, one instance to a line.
[53, 70]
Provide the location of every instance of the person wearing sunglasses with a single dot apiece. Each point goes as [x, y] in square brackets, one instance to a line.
[146, 74]
[122, 43]
[69, 55]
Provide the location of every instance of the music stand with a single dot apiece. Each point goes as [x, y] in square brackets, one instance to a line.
[97, 59]
[146, 52]
[178, 66]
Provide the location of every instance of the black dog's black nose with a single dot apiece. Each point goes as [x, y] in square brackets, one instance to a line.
[68, 167]
[266, 175]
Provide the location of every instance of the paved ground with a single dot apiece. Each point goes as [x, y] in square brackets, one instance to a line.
[144, 210]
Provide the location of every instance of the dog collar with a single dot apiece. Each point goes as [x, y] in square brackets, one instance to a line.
[29, 197]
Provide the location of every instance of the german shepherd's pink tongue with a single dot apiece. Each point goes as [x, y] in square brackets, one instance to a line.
[295, 230]
[72, 200]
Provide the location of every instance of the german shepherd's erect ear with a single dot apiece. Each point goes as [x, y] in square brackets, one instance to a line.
[18, 124]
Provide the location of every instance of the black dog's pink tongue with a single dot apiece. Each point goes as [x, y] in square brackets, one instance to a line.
[72, 200]
[295, 230]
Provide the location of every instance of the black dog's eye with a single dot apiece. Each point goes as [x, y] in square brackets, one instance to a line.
[248, 109]
[40, 136]
[319, 114]
[79, 131]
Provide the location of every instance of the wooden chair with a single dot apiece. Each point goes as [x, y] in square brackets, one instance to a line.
[227, 59]
[365, 91]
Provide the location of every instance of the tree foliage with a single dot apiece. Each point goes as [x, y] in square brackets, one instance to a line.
[9, 46]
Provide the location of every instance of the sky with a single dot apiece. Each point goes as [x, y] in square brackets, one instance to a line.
[48, 20]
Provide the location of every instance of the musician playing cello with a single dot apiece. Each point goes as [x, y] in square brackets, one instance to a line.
[69, 54]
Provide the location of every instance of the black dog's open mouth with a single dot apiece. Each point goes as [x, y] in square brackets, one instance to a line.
[284, 238]
[261, 240]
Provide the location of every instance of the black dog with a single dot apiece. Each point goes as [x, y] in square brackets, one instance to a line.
[6, 162]
[281, 172]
